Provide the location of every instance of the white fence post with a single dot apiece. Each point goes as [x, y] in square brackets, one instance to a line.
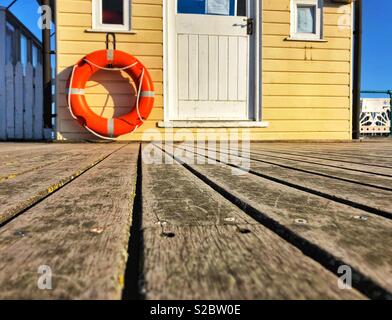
[28, 103]
[19, 101]
[38, 117]
[3, 124]
[10, 103]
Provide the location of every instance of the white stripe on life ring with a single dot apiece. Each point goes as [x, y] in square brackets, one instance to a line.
[111, 128]
[76, 91]
[147, 94]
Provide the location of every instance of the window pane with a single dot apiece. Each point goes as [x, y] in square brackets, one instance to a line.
[218, 7]
[112, 11]
[192, 6]
[241, 8]
[212, 7]
[306, 19]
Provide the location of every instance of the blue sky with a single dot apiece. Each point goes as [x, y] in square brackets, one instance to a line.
[377, 38]
[26, 11]
[377, 45]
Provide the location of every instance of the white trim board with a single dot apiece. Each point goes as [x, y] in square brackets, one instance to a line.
[213, 124]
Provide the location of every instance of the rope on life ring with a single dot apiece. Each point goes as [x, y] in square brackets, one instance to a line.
[110, 60]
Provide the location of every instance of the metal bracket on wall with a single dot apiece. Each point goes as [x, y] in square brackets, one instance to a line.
[114, 42]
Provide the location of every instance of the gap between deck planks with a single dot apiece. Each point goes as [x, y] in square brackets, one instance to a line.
[21, 192]
[81, 232]
[374, 200]
[338, 229]
[198, 245]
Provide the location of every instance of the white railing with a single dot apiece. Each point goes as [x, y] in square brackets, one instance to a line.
[375, 117]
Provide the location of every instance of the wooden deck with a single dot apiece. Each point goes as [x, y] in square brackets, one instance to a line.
[274, 224]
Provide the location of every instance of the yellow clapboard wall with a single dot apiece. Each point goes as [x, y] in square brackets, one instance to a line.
[306, 85]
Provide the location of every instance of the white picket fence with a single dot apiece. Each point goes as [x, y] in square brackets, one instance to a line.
[21, 113]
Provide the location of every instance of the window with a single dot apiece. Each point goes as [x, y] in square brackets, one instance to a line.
[111, 15]
[213, 7]
[306, 19]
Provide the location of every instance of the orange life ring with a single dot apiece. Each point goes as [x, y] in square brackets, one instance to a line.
[110, 60]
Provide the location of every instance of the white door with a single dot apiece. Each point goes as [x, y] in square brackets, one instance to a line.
[212, 64]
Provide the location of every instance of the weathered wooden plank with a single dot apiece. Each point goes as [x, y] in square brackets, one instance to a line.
[343, 231]
[327, 163]
[219, 262]
[361, 178]
[362, 150]
[369, 198]
[371, 163]
[20, 151]
[198, 245]
[331, 154]
[177, 198]
[81, 233]
[20, 193]
[20, 146]
[16, 165]
[324, 146]
[374, 149]
[364, 157]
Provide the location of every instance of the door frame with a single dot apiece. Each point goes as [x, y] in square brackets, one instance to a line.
[170, 73]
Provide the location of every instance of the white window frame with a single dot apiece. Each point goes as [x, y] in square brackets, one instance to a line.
[97, 24]
[319, 4]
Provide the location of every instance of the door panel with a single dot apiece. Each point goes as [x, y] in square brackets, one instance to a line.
[212, 60]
